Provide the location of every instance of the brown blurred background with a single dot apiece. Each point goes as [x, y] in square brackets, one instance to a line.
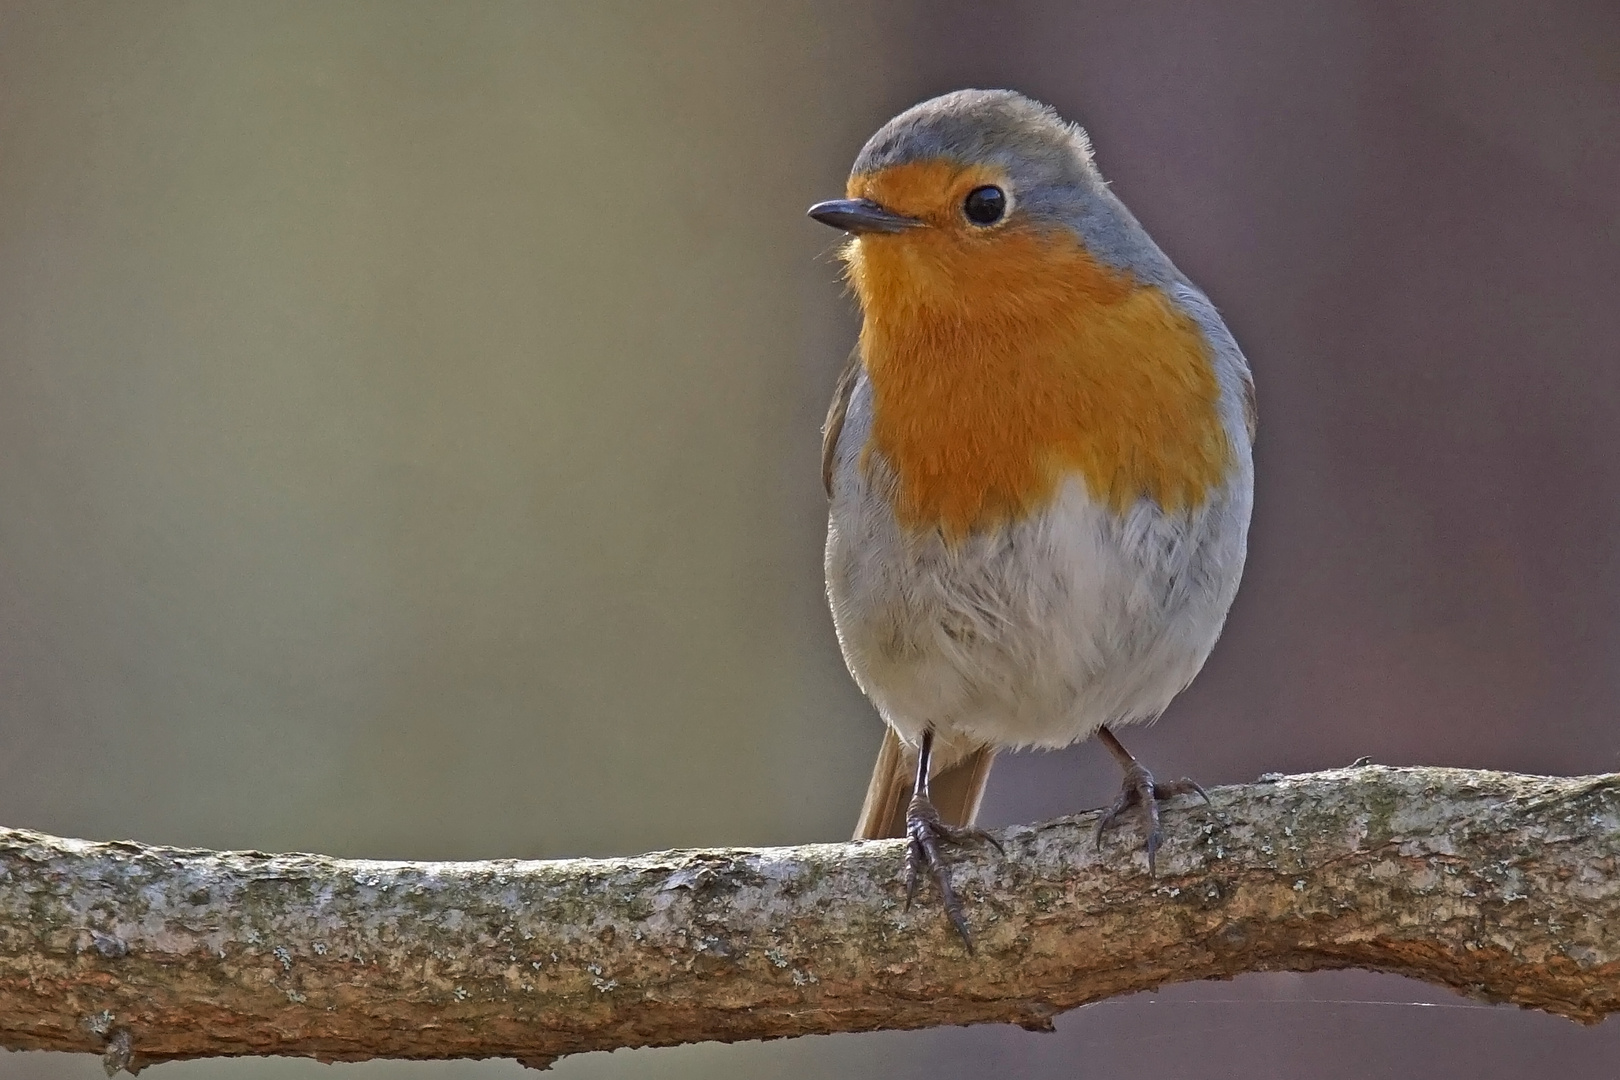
[408, 441]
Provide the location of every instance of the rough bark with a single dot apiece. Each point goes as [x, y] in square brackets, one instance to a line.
[1503, 887]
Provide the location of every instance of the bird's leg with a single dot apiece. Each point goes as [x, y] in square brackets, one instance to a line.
[1140, 790]
[927, 834]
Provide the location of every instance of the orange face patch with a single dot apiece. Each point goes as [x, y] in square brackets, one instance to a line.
[1004, 360]
[931, 190]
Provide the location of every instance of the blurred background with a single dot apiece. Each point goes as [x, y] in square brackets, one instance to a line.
[408, 441]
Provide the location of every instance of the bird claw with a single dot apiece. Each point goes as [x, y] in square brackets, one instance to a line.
[926, 835]
[1139, 790]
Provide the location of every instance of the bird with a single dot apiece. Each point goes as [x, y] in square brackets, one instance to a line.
[1038, 461]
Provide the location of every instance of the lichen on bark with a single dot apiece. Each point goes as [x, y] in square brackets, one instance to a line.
[1501, 886]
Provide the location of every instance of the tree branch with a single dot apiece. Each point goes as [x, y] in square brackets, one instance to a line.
[1501, 886]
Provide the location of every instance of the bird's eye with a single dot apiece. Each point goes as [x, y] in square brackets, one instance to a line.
[985, 205]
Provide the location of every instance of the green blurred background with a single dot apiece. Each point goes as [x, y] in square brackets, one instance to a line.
[408, 440]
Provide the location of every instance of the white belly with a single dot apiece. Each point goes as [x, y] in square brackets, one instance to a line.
[1037, 634]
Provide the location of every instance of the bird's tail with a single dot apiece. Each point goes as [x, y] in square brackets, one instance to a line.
[956, 784]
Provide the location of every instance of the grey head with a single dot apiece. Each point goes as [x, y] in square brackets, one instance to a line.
[1048, 162]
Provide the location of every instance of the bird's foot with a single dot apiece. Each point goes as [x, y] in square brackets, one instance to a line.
[1141, 792]
[927, 835]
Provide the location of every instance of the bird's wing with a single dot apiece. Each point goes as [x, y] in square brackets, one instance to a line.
[1251, 416]
[835, 415]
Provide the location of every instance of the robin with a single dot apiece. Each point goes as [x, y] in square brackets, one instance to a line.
[1038, 461]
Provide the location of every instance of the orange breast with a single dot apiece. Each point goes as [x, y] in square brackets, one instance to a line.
[1002, 364]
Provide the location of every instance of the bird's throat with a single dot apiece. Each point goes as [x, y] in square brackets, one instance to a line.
[1000, 370]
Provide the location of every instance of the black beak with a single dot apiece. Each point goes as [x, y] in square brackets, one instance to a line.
[862, 216]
